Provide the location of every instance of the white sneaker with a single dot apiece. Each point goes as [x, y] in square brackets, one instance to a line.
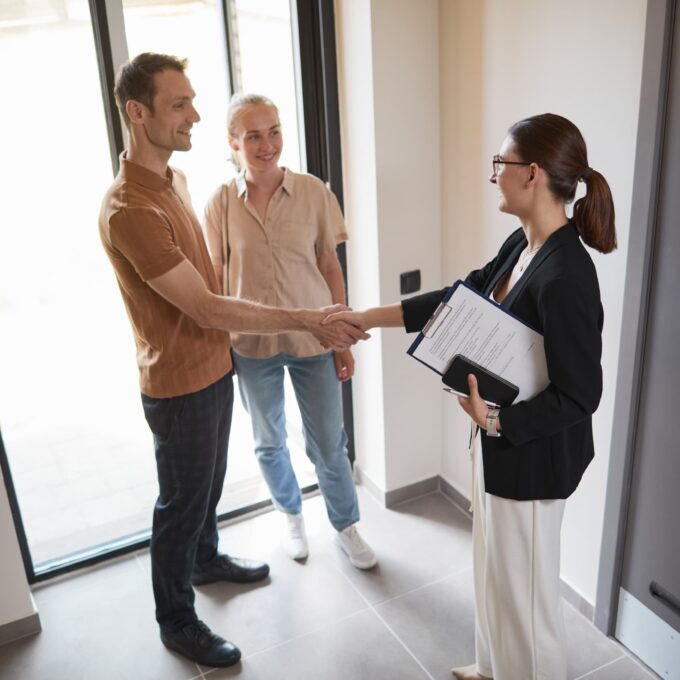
[360, 554]
[295, 541]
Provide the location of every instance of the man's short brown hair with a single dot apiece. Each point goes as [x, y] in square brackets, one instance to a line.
[135, 79]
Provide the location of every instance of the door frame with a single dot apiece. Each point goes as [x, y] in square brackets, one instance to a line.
[321, 115]
[641, 245]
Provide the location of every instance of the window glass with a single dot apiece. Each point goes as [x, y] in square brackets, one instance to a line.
[74, 433]
[194, 31]
[264, 60]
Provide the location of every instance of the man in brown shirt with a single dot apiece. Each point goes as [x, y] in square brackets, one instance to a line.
[180, 323]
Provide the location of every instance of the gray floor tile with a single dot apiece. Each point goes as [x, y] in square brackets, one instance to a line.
[296, 599]
[98, 624]
[436, 623]
[356, 648]
[587, 647]
[416, 543]
[621, 669]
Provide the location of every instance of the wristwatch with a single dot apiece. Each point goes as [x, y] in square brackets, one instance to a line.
[492, 422]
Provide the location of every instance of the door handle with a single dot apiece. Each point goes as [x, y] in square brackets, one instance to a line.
[665, 596]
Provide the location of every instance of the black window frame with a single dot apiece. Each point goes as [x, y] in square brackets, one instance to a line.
[319, 76]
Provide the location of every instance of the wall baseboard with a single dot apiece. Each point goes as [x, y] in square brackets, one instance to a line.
[438, 484]
[577, 601]
[455, 496]
[388, 499]
[15, 630]
[360, 477]
[410, 491]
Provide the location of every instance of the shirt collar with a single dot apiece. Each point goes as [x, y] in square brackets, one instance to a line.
[138, 174]
[241, 186]
[286, 184]
[288, 181]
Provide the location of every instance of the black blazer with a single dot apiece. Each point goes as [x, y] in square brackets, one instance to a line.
[547, 441]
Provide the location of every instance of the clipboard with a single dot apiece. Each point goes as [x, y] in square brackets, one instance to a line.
[468, 324]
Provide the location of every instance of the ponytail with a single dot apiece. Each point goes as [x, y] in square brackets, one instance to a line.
[557, 146]
[594, 214]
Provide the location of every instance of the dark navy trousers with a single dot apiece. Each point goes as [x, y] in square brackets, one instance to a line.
[191, 436]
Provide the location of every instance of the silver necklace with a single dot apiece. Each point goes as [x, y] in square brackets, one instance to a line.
[526, 256]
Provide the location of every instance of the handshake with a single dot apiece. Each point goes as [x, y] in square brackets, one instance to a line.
[336, 327]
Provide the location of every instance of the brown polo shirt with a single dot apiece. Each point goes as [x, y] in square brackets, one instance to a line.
[274, 260]
[147, 227]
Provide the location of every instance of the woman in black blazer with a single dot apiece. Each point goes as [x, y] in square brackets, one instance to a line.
[534, 452]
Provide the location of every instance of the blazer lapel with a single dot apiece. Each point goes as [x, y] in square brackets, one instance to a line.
[552, 244]
[507, 265]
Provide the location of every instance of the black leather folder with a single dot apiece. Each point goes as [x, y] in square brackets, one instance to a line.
[492, 388]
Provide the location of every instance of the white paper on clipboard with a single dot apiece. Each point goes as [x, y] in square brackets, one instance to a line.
[467, 323]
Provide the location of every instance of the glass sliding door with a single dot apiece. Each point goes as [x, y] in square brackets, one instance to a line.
[79, 451]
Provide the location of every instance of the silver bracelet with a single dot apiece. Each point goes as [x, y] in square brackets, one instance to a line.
[492, 422]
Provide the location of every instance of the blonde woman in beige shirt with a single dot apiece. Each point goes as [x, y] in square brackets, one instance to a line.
[272, 235]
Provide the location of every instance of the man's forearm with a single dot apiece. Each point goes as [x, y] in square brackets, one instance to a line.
[183, 287]
[243, 316]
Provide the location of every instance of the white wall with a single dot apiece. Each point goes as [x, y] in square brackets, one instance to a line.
[16, 601]
[388, 78]
[406, 113]
[501, 61]
[361, 214]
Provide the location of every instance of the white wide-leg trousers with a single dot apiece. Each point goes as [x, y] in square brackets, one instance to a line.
[519, 628]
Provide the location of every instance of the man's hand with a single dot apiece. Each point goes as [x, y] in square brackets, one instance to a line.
[474, 405]
[338, 335]
[344, 365]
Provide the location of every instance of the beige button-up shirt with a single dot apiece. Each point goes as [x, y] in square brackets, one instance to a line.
[274, 260]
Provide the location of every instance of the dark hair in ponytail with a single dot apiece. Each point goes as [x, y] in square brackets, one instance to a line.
[556, 145]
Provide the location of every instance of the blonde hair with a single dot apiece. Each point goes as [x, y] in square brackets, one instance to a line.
[238, 105]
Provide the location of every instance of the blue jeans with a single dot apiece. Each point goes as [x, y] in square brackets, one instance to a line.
[318, 394]
[190, 434]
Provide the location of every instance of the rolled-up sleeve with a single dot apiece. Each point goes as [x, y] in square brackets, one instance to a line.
[332, 229]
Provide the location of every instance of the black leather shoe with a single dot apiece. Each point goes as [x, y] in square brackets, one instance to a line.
[233, 569]
[198, 643]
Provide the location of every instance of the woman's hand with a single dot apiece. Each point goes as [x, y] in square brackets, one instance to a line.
[388, 316]
[357, 319]
[344, 365]
[337, 336]
[474, 405]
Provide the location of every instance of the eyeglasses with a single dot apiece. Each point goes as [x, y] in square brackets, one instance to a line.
[497, 160]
